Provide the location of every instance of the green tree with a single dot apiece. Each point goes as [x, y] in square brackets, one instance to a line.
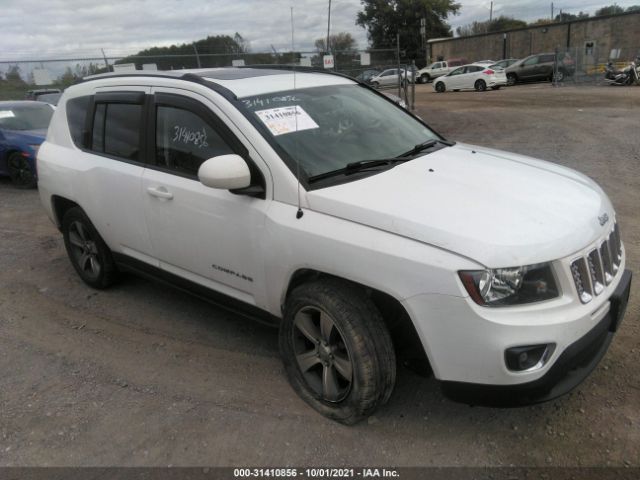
[496, 25]
[610, 10]
[67, 78]
[541, 21]
[569, 17]
[340, 42]
[13, 75]
[633, 8]
[383, 19]
[184, 56]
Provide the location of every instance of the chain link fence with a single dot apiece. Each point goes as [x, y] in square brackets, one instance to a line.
[19, 77]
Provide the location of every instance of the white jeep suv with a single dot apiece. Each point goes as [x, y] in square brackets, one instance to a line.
[317, 203]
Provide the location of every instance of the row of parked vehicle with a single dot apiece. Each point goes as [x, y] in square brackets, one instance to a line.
[459, 74]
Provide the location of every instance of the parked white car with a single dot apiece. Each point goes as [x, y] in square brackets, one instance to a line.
[389, 77]
[311, 201]
[474, 76]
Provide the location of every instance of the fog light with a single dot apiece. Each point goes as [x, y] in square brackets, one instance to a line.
[527, 358]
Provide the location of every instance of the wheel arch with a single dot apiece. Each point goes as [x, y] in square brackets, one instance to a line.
[60, 206]
[406, 341]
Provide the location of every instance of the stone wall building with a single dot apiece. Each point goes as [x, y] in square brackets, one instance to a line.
[592, 41]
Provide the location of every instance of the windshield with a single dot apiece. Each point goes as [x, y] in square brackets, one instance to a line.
[26, 117]
[326, 128]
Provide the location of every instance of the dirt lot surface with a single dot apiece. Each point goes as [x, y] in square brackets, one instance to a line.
[144, 375]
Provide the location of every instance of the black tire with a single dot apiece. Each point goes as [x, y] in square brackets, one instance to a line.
[348, 367]
[441, 87]
[480, 85]
[375, 84]
[512, 79]
[21, 173]
[425, 78]
[558, 76]
[88, 253]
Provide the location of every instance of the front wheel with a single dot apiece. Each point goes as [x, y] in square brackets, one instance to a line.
[558, 76]
[375, 84]
[88, 253]
[440, 87]
[20, 171]
[425, 78]
[480, 86]
[336, 350]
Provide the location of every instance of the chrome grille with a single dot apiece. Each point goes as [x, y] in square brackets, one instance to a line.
[593, 272]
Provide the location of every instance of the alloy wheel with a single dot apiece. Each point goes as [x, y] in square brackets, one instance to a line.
[84, 249]
[321, 354]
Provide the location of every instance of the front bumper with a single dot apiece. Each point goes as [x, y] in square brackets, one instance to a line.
[575, 363]
[466, 343]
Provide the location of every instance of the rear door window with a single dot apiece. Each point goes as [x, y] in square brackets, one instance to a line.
[116, 130]
[116, 125]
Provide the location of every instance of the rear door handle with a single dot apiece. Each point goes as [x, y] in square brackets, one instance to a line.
[160, 192]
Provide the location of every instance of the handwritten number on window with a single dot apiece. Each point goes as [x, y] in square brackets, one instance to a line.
[186, 136]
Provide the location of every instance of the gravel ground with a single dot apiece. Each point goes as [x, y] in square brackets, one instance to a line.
[144, 375]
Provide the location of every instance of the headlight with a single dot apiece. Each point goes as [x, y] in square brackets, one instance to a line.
[510, 286]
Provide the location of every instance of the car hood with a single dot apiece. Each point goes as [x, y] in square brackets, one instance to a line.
[499, 209]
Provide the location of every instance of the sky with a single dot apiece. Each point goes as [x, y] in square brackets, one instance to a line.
[80, 28]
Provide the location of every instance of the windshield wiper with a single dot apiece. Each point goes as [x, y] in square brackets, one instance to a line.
[359, 166]
[421, 147]
[362, 165]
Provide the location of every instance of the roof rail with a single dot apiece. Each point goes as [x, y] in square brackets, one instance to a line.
[178, 75]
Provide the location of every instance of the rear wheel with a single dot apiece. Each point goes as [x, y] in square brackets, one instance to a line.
[21, 173]
[88, 253]
[480, 86]
[337, 351]
[511, 79]
[440, 87]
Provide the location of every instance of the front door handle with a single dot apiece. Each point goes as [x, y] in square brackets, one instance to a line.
[160, 192]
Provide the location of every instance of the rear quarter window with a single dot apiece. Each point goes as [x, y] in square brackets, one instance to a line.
[76, 118]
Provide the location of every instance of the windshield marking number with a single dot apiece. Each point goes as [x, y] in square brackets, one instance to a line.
[284, 120]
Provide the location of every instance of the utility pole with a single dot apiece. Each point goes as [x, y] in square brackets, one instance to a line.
[491, 13]
[551, 10]
[197, 56]
[106, 62]
[328, 27]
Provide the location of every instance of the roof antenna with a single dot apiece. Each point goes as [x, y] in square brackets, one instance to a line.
[299, 213]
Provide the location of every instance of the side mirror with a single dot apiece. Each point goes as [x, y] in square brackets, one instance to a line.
[226, 172]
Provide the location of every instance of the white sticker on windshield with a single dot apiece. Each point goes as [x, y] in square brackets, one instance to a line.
[6, 114]
[286, 119]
